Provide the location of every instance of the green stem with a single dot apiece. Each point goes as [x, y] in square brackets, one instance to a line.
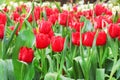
[44, 66]
[74, 53]
[57, 63]
[101, 54]
[22, 70]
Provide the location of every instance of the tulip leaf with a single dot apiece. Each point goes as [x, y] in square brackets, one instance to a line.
[3, 70]
[100, 74]
[6, 70]
[7, 41]
[118, 74]
[77, 69]
[20, 69]
[53, 76]
[115, 17]
[58, 6]
[30, 72]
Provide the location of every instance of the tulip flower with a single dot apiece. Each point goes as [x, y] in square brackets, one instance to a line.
[37, 12]
[42, 41]
[62, 19]
[26, 54]
[2, 28]
[76, 38]
[45, 27]
[15, 16]
[87, 38]
[3, 19]
[57, 43]
[113, 30]
[101, 38]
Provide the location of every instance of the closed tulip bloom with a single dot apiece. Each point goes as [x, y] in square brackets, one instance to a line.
[49, 11]
[26, 54]
[62, 19]
[87, 38]
[2, 28]
[113, 30]
[45, 27]
[37, 12]
[42, 41]
[76, 38]
[3, 18]
[53, 18]
[57, 43]
[101, 38]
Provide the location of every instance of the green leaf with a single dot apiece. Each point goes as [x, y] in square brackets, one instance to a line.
[6, 70]
[19, 69]
[100, 74]
[58, 6]
[115, 68]
[7, 41]
[115, 17]
[10, 70]
[3, 70]
[30, 72]
[53, 76]
[77, 69]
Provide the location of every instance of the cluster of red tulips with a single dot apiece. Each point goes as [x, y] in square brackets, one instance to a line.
[65, 33]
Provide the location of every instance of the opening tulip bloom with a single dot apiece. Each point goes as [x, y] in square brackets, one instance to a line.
[57, 43]
[76, 38]
[26, 54]
[101, 38]
[2, 28]
[42, 41]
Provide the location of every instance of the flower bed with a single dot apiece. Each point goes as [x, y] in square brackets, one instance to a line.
[48, 42]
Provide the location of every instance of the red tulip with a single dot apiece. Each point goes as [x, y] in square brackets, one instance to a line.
[3, 19]
[75, 8]
[37, 12]
[101, 38]
[87, 38]
[15, 16]
[26, 54]
[77, 25]
[62, 19]
[76, 38]
[99, 9]
[51, 34]
[113, 30]
[57, 43]
[42, 41]
[99, 22]
[30, 19]
[45, 27]
[49, 11]
[5, 9]
[53, 18]
[2, 28]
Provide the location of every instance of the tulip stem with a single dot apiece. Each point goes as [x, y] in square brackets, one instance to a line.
[101, 53]
[44, 66]
[74, 53]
